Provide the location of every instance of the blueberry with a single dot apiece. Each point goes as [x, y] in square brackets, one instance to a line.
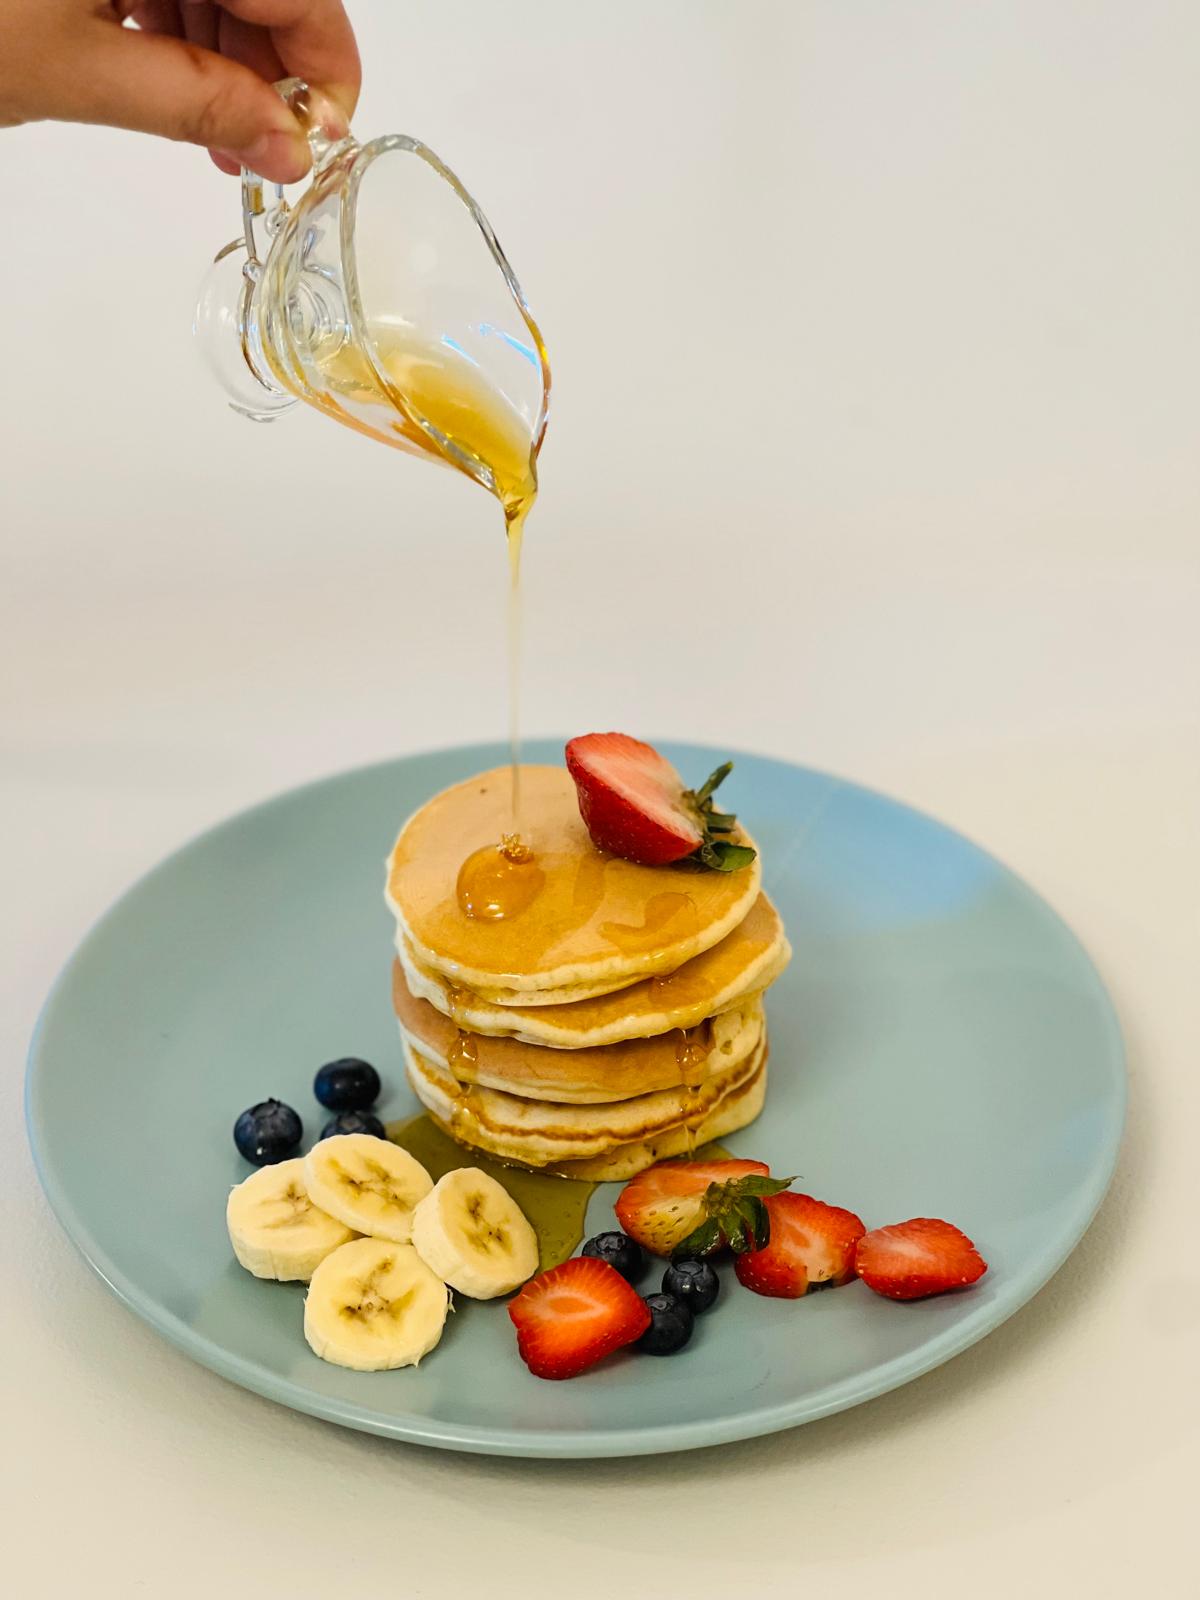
[355, 1122]
[620, 1251]
[693, 1281]
[347, 1085]
[670, 1325]
[268, 1132]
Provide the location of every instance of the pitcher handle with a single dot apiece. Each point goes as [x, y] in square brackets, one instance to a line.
[327, 129]
[227, 294]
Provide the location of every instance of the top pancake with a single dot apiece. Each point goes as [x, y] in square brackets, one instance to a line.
[597, 922]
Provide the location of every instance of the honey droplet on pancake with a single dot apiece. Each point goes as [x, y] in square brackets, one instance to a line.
[463, 1049]
[499, 881]
[692, 1048]
[671, 914]
[460, 1111]
[691, 1054]
[457, 999]
[678, 989]
[693, 1112]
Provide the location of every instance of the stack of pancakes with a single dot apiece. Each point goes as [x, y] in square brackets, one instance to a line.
[614, 1019]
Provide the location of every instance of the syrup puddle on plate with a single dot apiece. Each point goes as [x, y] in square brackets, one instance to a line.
[556, 1206]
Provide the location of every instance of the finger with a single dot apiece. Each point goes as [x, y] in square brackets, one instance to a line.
[200, 24]
[314, 39]
[252, 46]
[164, 86]
[242, 41]
[154, 16]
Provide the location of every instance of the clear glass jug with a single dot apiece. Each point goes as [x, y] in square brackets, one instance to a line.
[381, 297]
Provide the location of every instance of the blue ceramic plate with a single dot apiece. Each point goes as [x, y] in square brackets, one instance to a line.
[941, 1046]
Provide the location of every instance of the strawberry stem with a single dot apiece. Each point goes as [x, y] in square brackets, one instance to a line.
[718, 855]
[735, 1214]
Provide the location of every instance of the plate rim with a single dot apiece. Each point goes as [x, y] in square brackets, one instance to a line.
[1014, 1292]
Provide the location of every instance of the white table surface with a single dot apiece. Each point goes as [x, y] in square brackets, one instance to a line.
[876, 339]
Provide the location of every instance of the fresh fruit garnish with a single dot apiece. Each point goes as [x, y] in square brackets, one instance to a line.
[347, 1085]
[910, 1260]
[634, 805]
[474, 1235]
[268, 1132]
[369, 1184]
[693, 1281]
[691, 1208]
[274, 1228]
[570, 1317]
[811, 1246]
[354, 1122]
[374, 1305]
[670, 1325]
[620, 1251]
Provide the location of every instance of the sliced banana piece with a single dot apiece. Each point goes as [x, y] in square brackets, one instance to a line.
[374, 1305]
[275, 1228]
[370, 1185]
[474, 1235]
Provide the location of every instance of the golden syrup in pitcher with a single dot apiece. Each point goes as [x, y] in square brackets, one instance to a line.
[471, 426]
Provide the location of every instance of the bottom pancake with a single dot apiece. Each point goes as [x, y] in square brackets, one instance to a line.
[595, 1142]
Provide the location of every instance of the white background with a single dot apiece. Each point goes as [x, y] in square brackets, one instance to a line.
[876, 340]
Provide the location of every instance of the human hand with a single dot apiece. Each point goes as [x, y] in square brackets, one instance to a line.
[197, 70]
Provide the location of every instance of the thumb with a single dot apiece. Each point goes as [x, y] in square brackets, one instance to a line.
[157, 84]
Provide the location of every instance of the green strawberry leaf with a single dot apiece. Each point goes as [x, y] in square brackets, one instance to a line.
[752, 1215]
[714, 854]
[762, 1225]
[725, 857]
[735, 1214]
[702, 1241]
[760, 1185]
[731, 857]
[735, 1230]
[712, 783]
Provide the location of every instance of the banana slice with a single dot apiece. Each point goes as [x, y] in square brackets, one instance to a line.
[374, 1305]
[370, 1185]
[474, 1235]
[275, 1229]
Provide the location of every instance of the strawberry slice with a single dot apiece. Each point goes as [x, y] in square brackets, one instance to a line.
[909, 1260]
[811, 1245]
[694, 1207]
[570, 1317]
[634, 805]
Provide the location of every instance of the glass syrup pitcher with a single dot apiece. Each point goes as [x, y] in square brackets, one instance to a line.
[381, 297]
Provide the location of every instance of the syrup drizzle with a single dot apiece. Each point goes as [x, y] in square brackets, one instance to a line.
[662, 911]
[463, 1051]
[692, 1049]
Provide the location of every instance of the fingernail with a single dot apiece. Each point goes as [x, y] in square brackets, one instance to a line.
[282, 157]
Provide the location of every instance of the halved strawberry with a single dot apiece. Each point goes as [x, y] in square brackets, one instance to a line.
[909, 1260]
[571, 1316]
[811, 1244]
[634, 805]
[694, 1207]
